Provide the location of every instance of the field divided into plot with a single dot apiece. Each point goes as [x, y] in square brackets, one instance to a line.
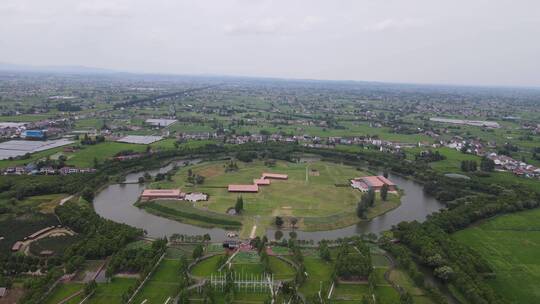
[511, 245]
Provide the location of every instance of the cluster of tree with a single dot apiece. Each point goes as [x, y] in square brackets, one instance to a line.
[37, 286]
[231, 166]
[487, 165]
[16, 264]
[101, 237]
[139, 260]
[403, 257]
[246, 156]
[353, 261]
[180, 238]
[68, 107]
[86, 140]
[366, 201]
[508, 149]
[22, 186]
[270, 162]
[469, 166]
[429, 156]
[324, 251]
[194, 178]
[198, 252]
[239, 206]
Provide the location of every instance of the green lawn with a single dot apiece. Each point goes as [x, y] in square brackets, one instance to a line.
[162, 285]
[511, 245]
[318, 271]
[111, 293]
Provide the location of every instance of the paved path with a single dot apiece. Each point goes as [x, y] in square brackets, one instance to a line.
[64, 200]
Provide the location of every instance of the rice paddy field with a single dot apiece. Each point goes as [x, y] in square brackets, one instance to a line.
[316, 193]
[511, 245]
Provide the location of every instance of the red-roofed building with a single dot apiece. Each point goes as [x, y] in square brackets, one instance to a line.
[261, 182]
[274, 176]
[243, 188]
[151, 194]
[372, 182]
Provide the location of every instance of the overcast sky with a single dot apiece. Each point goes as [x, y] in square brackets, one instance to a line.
[486, 42]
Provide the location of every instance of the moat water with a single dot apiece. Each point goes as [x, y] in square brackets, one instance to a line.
[115, 202]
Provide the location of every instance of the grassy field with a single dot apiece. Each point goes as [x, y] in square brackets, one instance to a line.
[511, 245]
[318, 271]
[111, 293]
[162, 285]
[310, 194]
[245, 264]
[85, 157]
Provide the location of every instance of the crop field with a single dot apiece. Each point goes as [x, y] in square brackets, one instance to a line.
[319, 201]
[511, 245]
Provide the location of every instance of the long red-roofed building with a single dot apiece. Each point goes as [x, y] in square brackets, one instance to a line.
[274, 176]
[243, 188]
[372, 182]
[261, 182]
[150, 194]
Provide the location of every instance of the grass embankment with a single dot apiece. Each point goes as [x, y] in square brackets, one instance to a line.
[184, 212]
[511, 245]
[317, 194]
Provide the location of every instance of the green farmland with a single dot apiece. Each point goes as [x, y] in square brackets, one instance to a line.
[511, 245]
